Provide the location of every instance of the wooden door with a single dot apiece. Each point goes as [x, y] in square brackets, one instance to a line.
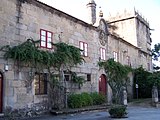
[103, 85]
[1, 92]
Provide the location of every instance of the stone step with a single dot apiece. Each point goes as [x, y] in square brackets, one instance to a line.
[72, 111]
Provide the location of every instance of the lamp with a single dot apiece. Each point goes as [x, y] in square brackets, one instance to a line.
[6, 67]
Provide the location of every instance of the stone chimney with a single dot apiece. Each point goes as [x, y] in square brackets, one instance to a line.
[91, 6]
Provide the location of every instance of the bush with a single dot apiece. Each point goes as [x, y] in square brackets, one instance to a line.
[85, 99]
[117, 111]
[74, 101]
[97, 98]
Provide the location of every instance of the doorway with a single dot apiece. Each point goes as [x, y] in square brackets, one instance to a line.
[103, 84]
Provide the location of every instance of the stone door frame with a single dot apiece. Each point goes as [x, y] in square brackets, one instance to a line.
[103, 84]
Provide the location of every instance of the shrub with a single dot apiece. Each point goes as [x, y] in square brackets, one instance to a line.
[117, 111]
[86, 99]
[97, 98]
[74, 101]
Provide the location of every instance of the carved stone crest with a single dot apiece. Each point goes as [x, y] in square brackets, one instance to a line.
[103, 32]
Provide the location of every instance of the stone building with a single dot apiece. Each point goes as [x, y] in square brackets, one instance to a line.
[22, 19]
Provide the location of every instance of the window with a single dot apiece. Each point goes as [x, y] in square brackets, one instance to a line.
[103, 53]
[83, 46]
[67, 77]
[115, 56]
[40, 83]
[88, 77]
[46, 39]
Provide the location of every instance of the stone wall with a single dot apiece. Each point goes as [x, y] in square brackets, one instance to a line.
[30, 17]
[8, 21]
[22, 20]
[126, 26]
[135, 30]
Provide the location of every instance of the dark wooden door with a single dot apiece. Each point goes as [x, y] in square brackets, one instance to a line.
[1, 92]
[102, 84]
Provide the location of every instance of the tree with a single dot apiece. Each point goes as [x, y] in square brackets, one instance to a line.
[156, 54]
[144, 87]
[118, 77]
[154, 79]
[62, 58]
[145, 81]
[66, 56]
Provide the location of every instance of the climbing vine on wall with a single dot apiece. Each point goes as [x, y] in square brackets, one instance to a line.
[29, 53]
[63, 57]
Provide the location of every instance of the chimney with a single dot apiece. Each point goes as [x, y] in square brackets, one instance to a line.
[91, 6]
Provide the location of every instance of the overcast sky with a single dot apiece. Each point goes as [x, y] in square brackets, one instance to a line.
[150, 9]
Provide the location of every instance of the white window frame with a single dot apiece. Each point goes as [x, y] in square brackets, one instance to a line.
[103, 53]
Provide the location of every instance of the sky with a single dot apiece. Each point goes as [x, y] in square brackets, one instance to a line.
[149, 9]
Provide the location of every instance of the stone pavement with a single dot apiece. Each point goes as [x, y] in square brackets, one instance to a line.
[134, 113]
[137, 110]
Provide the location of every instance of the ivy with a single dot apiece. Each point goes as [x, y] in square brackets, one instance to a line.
[63, 57]
[30, 53]
[77, 79]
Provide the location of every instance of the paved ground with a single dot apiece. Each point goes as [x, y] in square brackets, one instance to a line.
[134, 113]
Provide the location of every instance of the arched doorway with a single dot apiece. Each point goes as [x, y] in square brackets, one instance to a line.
[103, 84]
[1, 92]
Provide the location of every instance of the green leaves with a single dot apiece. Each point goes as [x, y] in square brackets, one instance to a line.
[117, 111]
[85, 99]
[115, 70]
[117, 74]
[156, 54]
[67, 54]
[156, 51]
[29, 53]
[77, 79]
[145, 81]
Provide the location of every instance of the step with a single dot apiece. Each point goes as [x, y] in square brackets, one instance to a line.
[71, 111]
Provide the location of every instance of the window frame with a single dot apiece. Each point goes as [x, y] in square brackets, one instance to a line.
[45, 88]
[69, 77]
[88, 77]
[84, 48]
[103, 53]
[46, 39]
